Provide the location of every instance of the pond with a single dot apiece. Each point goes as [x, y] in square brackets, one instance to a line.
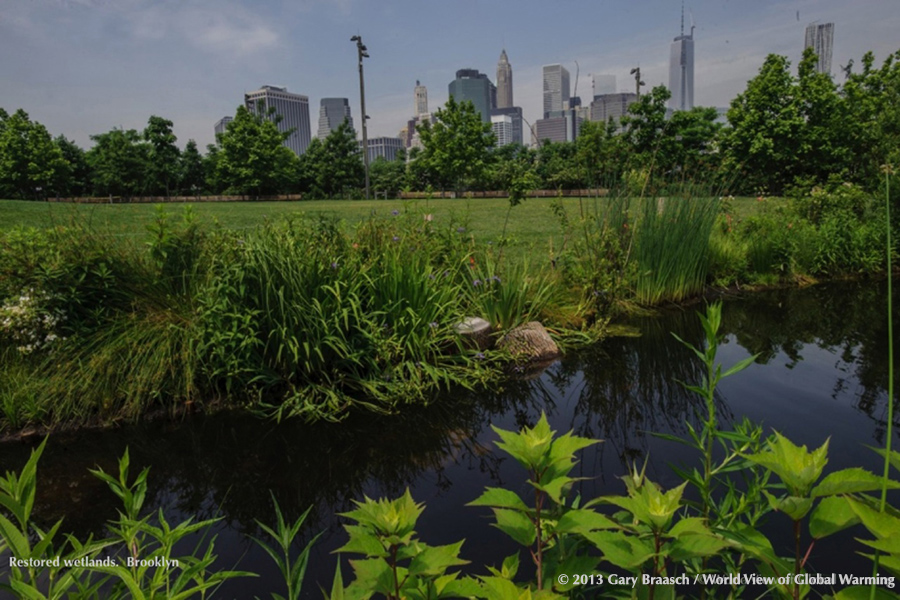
[821, 372]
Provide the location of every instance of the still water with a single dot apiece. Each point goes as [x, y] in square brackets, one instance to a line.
[821, 373]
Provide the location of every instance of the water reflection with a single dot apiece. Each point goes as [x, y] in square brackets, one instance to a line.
[821, 371]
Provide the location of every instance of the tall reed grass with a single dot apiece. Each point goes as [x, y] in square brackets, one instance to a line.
[672, 248]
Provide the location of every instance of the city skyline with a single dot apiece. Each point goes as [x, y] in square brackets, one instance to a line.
[83, 67]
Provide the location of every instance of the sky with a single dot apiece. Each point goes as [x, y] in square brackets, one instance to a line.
[83, 67]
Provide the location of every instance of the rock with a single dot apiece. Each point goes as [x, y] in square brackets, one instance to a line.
[477, 331]
[529, 343]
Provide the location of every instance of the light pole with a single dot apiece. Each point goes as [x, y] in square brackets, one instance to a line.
[363, 53]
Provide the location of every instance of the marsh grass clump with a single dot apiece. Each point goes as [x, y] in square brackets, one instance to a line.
[300, 317]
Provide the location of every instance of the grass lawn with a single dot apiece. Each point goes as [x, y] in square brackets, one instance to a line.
[533, 228]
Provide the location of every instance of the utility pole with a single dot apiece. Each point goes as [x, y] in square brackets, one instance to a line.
[362, 51]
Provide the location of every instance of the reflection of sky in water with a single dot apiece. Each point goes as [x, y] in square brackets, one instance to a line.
[821, 354]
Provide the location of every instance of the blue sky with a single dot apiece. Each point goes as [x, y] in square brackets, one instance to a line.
[85, 66]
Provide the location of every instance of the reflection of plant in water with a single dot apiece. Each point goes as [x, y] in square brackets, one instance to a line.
[843, 318]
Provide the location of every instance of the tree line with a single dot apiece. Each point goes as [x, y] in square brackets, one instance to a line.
[783, 131]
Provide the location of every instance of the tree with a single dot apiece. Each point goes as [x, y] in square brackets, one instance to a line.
[784, 130]
[192, 175]
[456, 149]
[252, 158]
[334, 166]
[31, 165]
[118, 163]
[211, 180]
[79, 179]
[387, 176]
[163, 165]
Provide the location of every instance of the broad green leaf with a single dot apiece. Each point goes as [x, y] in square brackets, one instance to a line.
[622, 550]
[695, 545]
[739, 366]
[372, 574]
[434, 560]
[499, 498]
[464, 587]
[798, 468]
[830, 516]
[362, 542]
[794, 507]
[881, 525]
[864, 592]
[515, 525]
[850, 481]
[582, 520]
[555, 487]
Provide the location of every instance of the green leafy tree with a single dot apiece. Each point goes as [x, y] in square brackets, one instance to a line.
[78, 182]
[162, 172]
[334, 166]
[872, 105]
[118, 163]
[387, 177]
[252, 158]
[556, 166]
[784, 129]
[192, 174]
[31, 165]
[600, 152]
[457, 146]
[211, 180]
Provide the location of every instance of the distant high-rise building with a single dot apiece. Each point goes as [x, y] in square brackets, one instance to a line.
[820, 37]
[556, 90]
[681, 70]
[332, 112]
[502, 126]
[476, 88]
[292, 108]
[421, 99]
[514, 113]
[221, 125]
[383, 147]
[604, 84]
[611, 106]
[504, 82]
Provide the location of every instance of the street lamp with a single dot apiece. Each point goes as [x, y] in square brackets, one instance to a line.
[362, 51]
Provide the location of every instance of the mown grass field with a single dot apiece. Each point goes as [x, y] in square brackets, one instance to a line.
[533, 230]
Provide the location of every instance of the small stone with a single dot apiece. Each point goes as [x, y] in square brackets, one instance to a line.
[477, 330]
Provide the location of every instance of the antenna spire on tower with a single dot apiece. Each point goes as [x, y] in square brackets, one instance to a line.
[682, 17]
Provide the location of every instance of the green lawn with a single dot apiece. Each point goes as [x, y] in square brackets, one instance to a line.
[533, 228]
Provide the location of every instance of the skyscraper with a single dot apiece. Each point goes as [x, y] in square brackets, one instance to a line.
[504, 82]
[556, 90]
[332, 112]
[421, 99]
[820, 37]
[681, 70]
[292, 108]
[476, 88]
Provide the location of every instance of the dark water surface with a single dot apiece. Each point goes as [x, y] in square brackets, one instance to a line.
[821, 372]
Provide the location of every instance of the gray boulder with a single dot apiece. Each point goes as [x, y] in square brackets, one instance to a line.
[529, 343]
[477, 331]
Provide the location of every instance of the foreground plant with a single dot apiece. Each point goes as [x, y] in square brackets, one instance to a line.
[397, 564]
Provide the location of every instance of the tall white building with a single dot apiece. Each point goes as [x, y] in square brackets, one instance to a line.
[504, 82]
[556, 90]
[502, 126]
[292, 108]
[681, 70]
[820, 37]
[333, 112]
[421, 99]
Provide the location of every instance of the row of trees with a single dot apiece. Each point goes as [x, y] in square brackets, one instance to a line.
[784, 130]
